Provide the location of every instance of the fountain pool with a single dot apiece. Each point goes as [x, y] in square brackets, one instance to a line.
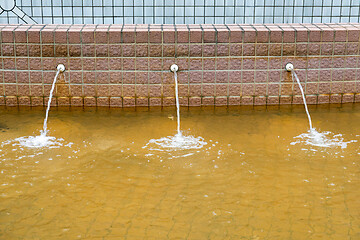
[247, 182]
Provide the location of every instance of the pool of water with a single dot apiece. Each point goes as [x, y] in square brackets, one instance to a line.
[251, 179]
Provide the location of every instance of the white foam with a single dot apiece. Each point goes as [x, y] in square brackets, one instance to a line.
[322, 139]
[40, 141]
[176, 142]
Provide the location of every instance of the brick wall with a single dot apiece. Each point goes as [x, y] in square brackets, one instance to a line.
[128, 65]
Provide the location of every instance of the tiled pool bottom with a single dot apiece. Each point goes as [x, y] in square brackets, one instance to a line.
[248, 182]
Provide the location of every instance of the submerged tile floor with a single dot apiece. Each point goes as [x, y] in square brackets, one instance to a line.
[248, 182]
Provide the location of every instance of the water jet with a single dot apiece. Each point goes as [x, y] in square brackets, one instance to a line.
[290, 68]
[313, 137]
[178, 141]
[43, 140]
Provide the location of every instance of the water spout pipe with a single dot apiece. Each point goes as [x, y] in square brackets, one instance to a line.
[289, 67]
[174, 68]
[60, 68]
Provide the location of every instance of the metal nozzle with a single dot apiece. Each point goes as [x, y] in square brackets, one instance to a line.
[174, 68]
[289, 67]
[60, 67]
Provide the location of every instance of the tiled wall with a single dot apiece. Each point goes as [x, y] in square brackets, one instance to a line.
[182, 11]
[128, 65]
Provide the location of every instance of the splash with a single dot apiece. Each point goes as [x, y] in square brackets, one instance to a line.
[37, 142]
[322, 139]
[176, 142]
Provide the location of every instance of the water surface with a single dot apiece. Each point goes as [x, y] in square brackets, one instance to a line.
[104, 181]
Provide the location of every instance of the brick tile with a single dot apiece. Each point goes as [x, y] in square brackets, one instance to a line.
[155, 36]
[34, 50]
[116, 102]
[249, 49]
[234, 101]
[285, 99]
[194, 101]
[169, 50]
[11, 101]
[60, 35]
[101, 36]
[88, 50]
[153, 102]
[7, 35]
[340, 35]
[195, 35]
[209, 35]
[262, 35]
[74, 36]
[61, 51]
[89, 101]
[76, 90]
[114, 35]
[247, 101]
[128, 64]
[353, 35]
[249, 35]
[155, 64]
[115, 77]
[196, 50]
[128, 50]
[209, 50]
[48, 51]
[87, 35]
[276, 35]
[289, 36]
[168, 101]
[182, 50]
[335, 98]
[271, 100]
[315, 35]
[323, 98]
[33, 35]
[348, 98]
[128, 35]
[182, 35]
[248, 63]
[222, 50]
[236, 50]
[275, 49]
[169, 35]
[223, 35]
[47, 35]
[129, 77]
[155, 78]
[20, 36]
[63, 101]
[339, 48]
[236, 36]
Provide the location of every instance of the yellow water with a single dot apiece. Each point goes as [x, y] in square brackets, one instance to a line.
[248, 182]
